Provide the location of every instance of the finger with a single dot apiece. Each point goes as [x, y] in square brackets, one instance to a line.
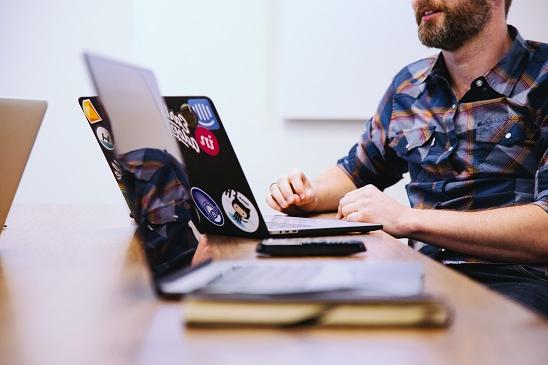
[358, 216]
[296, 180]
[349, 197]
[339, 211]
[348, 209]
[308, 195]
[309, 192]
[273, 204]
[285, 189]
[277, 195]
[346, 199]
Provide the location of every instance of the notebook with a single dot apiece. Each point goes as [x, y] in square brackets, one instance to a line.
[332, 309]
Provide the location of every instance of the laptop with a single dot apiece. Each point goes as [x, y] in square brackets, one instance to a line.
[285, 277]
[190, 129]
[139, 118]
[20, 121]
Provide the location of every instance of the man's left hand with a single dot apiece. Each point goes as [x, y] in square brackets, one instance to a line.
[369, 204]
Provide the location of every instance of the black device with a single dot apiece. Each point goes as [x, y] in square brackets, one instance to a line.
[287, 247]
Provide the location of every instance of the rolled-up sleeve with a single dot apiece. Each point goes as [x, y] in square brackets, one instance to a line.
[370, 160]
[541, 176]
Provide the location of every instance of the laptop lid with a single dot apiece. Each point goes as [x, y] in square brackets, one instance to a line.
[190, 129]
[20, 121]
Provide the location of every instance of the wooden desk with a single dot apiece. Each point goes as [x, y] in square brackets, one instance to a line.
[74, 290]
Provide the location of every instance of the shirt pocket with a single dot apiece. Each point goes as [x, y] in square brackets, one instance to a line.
[502, 143]
[506, 131]
[413, 144]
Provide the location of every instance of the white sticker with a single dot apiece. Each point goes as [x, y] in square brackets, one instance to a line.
[105, 138]
[116, 170]
[181, 130]
[240, 210]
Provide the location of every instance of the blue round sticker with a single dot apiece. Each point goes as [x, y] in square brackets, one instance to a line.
[207, 206]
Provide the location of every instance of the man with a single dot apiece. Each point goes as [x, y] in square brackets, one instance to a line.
[470, 125]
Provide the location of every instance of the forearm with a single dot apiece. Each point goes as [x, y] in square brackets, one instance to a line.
[515, 234]
[330, 187]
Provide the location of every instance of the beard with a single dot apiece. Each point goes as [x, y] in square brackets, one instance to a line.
[458, 25]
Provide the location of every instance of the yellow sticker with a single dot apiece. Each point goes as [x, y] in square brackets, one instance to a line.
[90, 112]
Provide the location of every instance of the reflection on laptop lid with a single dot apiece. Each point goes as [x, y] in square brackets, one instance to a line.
[219, 188]
[20, 121]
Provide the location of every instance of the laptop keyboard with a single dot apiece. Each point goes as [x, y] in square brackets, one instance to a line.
[265, 276]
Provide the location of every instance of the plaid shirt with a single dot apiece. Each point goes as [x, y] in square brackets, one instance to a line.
[487, 150]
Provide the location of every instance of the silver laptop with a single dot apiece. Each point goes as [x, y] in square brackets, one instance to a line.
[141, 118]
[281, 277]
[20, 121]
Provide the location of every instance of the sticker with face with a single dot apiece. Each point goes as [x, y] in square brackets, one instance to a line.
[207, 141]
[189, 115]
[204, 112]
[207, 206]
[240, 210]
[105, 138]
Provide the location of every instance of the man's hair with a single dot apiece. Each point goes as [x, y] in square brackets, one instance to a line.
[507, 4]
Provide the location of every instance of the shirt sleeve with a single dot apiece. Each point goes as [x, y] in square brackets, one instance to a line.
[370, 160]
[541, 176]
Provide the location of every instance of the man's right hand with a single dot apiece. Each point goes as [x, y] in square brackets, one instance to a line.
[293, 194]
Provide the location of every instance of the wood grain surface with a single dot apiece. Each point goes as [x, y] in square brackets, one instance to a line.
[75, 289]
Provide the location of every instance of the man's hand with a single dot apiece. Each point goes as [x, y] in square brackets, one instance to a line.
[293, 194]
[203, 252]
[369, 204]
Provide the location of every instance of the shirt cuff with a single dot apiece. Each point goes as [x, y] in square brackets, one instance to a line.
[543, 204]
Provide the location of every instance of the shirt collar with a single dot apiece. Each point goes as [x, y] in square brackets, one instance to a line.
[502, 78]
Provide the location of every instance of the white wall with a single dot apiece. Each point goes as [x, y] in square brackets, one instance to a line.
[228, 50]
[41, 43]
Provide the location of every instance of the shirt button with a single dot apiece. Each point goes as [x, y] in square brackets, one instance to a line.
[450, 148]
[407, 146]
[508, 135]
[479, 83]
[453, 106]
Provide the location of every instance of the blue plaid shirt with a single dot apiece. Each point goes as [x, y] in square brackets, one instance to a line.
[487, 150]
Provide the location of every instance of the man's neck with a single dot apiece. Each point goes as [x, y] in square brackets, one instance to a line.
[476, 57]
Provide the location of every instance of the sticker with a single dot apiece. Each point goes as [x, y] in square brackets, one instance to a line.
[204, 111]
[207, 206]
[207, 140]
[180, 130]
[240, 210]
[122, 187]
[189, 115]
[116, 170]
[105, 138]
[90, 112]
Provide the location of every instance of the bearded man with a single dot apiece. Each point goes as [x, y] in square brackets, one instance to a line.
[470, 125]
